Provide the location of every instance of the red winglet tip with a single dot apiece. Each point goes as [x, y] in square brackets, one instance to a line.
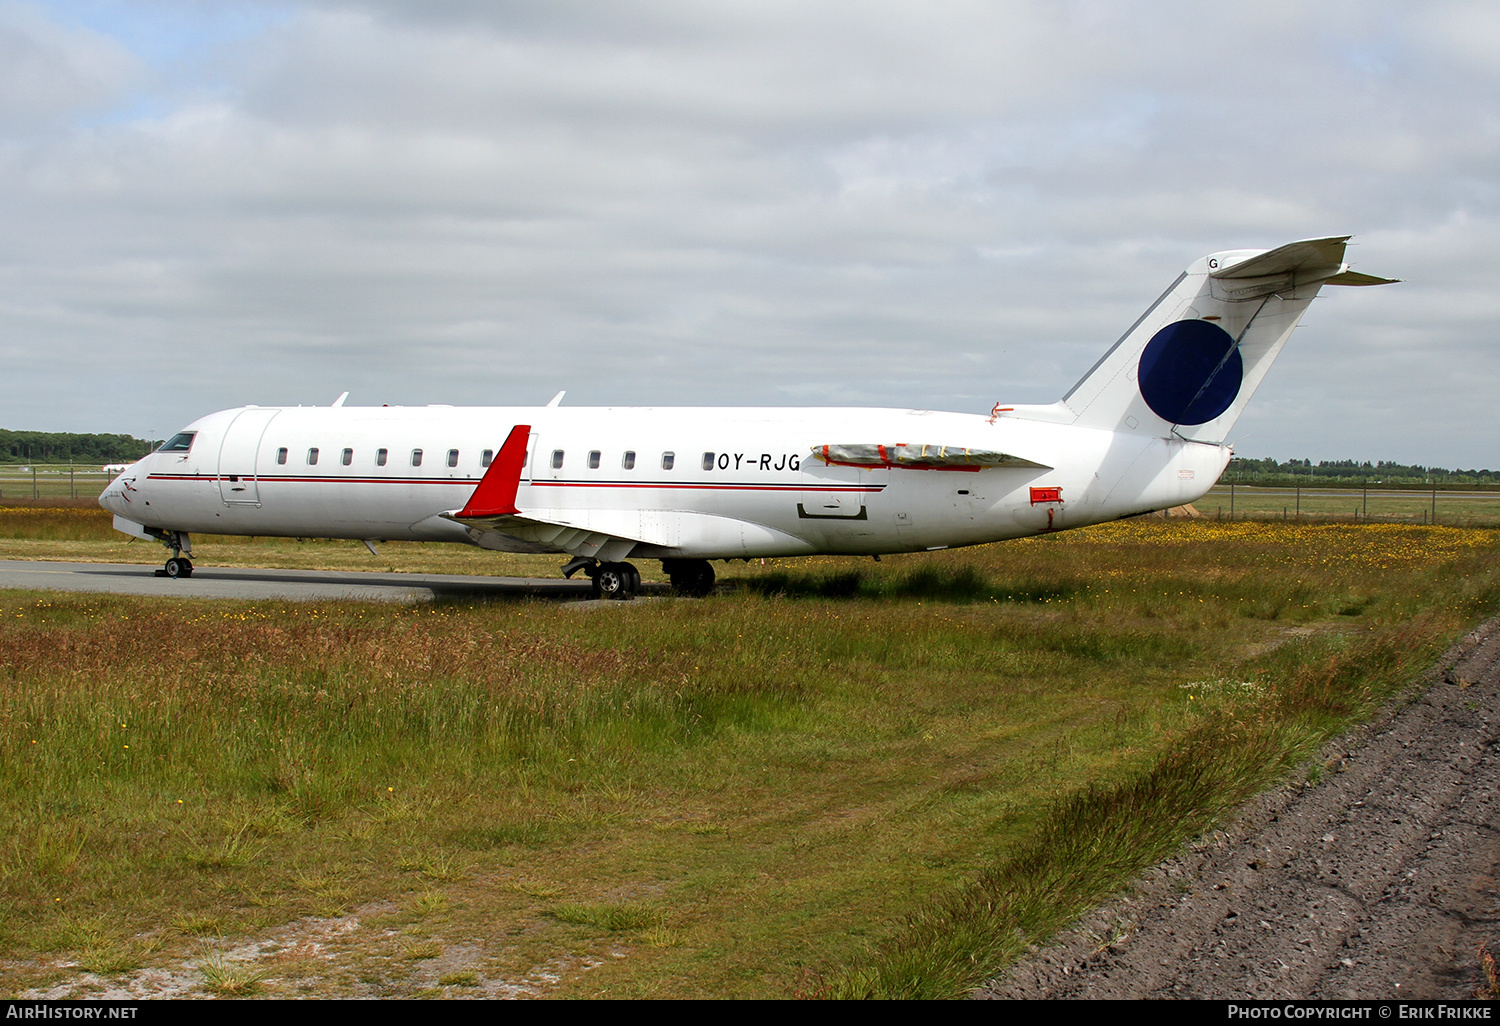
[496, 494]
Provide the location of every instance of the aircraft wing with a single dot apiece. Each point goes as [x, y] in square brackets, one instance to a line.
[917, 456]
[608, 534]
[603, 533]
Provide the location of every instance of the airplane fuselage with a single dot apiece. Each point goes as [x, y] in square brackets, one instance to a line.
[703, 483]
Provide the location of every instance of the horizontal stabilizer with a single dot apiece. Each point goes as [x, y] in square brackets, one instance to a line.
[1297, 263]
[915, 456]
[1356, 278]
[1305, 258]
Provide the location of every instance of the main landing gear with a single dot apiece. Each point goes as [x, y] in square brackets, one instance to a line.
[178, 565]
[616, 581]
[693, 578]
[611, 580]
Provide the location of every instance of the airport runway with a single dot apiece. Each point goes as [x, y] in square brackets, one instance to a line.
[296, 585]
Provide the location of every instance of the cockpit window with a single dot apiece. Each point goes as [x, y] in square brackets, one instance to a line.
[180, 442]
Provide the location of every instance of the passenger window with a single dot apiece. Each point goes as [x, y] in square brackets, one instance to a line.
[416, 457]
[557, 458]
[667, 459]
[281, 456]
[312, 457]
[628, 461]
[348, 457]
[708, 461]
[452, 457]
[487, 457]
[594, 460]
[380, 455]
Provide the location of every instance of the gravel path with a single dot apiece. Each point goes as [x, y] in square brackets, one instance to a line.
[1378, 882]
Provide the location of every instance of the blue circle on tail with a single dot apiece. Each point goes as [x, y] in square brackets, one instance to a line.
[1184, 375]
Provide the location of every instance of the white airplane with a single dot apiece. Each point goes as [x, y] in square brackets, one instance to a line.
[1145, 429]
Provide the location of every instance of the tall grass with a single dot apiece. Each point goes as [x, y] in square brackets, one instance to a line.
[266, 701]
[56, 520]
[1093, 839]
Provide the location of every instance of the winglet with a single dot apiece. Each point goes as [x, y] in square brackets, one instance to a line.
[496, 494]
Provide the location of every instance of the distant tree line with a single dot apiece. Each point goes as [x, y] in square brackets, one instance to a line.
[1337, 473]
[63, 447]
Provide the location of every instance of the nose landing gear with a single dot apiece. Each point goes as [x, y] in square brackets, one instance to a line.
[178, 565]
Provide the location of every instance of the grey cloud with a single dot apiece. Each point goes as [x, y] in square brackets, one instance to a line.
[885, 203]
[49, 72]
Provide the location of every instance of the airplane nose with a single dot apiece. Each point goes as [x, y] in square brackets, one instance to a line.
[113, 497]
[110, 498]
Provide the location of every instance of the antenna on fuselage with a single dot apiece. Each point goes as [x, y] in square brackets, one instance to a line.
[557, 399]
[340, 400]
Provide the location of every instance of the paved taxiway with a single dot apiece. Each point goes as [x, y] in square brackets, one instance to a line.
[296, 585]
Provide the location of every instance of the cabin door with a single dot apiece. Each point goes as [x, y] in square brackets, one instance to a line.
[239, 457]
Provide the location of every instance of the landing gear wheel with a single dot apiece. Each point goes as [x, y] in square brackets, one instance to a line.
[614, 581]
[635, 577]
[693, 578]
[176, 542]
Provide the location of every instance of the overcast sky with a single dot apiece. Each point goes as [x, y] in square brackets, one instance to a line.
[939, 205]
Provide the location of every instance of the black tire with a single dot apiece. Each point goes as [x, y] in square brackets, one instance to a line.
[635, 578]
[692, 578]
[612, 581]
[174, 568]
[187, 566]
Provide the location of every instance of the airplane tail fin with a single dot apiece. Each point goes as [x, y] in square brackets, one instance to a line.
[1191, 362]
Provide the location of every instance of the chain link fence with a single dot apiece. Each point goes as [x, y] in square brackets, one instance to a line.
[36, 481]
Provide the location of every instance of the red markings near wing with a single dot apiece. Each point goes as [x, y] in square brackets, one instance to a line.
[496, 494]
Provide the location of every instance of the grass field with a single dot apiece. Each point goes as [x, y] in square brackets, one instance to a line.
[838, 778]
[1453, 508]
